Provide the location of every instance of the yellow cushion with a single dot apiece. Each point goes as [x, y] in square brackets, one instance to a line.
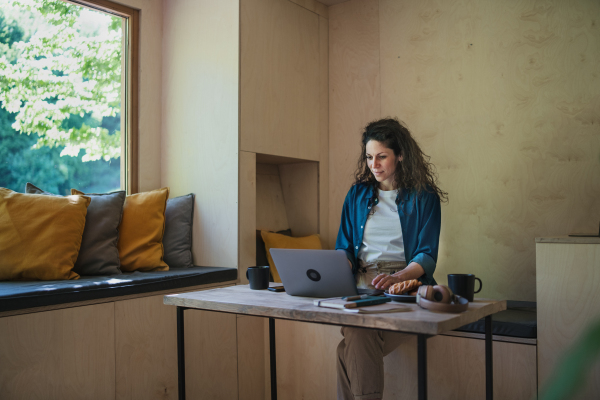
[141, 231]
[40, 235]
[277, 241]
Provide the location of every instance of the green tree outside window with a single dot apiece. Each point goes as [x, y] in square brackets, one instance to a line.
[60, 96]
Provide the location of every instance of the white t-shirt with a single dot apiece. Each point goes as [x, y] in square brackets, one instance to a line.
[382, 239]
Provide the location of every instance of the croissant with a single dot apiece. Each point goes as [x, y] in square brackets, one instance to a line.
[404, 287]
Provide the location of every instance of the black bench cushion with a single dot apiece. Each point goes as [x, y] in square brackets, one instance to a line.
[17, 295]
[518, 320]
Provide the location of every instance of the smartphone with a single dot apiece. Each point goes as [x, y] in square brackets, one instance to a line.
[276, 289]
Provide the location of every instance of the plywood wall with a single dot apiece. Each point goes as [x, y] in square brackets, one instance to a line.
[248, 212]
[300, 186]
[354, 93]
[200, 120]
[279, 94]
[271, 211]
[287, 197]
[284, 129]
[324, 130]
[150, 90]
[504, 97]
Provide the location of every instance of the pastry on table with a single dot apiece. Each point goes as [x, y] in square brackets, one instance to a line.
[406, 287]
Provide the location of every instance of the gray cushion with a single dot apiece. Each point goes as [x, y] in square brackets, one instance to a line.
[177, 240]
[98, 254]
[32, 189]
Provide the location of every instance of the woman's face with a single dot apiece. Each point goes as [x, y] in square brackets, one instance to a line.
[382, 163]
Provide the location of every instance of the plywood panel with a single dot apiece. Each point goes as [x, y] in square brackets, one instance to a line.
[306, 360]
[270, 207]
[464, 378]
[200, 92]
[146, 349]
[314, 6]
[247, 239]
[324, 132]
[60, 354]
[267, 169]
[462, 354]
[515, 371]
[354, 93]
[505, 99]
[211, 353]
[149, 96]
[456, 366]
[456, 370]
[253, 358]
[300, 187]
[271, 159]
[400, 372]
[279, 79]
[568, 298]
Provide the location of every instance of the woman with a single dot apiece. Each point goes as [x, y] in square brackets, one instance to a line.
[390, 232]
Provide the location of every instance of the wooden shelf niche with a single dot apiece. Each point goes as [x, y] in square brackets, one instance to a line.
[276, 193]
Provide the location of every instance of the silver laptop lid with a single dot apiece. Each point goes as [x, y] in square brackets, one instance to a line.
[314, 273]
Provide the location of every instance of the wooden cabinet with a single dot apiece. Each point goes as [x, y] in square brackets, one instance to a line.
[210, 355]
[284, 121]
[306, 365]
[59, 354]
[568, 300]
[279, 79]
[115, 349]
[456, 367]
[145, 349]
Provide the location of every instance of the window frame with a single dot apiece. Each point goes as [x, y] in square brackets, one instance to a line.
[129, 90]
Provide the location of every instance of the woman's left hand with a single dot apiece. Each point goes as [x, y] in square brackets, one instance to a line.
[384, 281]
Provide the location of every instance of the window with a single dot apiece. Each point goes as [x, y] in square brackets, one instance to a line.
[68, 106]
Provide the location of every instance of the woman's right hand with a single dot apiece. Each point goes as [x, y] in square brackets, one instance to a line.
[384, 281]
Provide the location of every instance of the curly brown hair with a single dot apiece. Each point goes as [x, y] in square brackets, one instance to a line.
[415, 172]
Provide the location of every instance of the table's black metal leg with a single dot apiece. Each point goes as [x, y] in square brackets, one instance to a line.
[489, 365]
[422, 366]
[273, 359]
[180, 354]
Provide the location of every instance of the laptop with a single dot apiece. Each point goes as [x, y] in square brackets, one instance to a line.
[316, 273]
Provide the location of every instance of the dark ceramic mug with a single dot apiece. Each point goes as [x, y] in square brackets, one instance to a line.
[258, 277]
[464, 285]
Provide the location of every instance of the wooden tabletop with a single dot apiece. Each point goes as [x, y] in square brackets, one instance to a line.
[241, 299]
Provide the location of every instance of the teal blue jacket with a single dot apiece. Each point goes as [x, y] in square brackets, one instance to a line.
[420, 219]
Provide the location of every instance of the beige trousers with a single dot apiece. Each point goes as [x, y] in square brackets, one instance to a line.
[360, 362]
[367, 271]
[360, 354]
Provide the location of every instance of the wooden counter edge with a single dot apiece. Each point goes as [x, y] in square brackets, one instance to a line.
[569, 239]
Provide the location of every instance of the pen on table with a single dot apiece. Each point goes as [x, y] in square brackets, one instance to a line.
[359, 297]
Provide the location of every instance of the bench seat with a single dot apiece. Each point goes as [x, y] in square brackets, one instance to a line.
[518, 320]
[17, 295]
